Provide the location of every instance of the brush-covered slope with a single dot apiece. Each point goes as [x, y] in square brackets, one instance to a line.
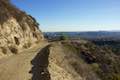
[65, 64]
[77, 60]
[17, 29]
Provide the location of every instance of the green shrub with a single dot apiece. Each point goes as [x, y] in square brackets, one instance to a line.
[64, 37]
[95, 66]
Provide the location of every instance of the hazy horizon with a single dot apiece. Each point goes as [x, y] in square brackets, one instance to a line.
[73, 15]
[87, 31]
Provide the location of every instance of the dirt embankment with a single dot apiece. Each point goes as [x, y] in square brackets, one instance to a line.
[46, 62]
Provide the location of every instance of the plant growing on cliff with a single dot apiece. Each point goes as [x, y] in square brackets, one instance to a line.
[13, 49]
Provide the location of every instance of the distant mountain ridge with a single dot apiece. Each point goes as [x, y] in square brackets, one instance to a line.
[88, 35]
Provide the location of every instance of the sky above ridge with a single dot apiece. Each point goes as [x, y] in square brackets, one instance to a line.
[73, 15]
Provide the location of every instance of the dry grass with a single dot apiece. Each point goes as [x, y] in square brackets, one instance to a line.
[4, 50]
[27, 45]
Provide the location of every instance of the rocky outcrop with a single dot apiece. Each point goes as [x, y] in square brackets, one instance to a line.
[17, 29]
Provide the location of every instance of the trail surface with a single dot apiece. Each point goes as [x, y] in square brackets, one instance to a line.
[18, 67]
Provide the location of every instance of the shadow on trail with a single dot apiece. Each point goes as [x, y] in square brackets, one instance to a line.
[40, 63]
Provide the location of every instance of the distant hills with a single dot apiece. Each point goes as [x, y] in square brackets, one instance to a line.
[95, 35]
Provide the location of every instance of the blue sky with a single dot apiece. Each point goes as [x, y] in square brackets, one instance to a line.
[73, 15]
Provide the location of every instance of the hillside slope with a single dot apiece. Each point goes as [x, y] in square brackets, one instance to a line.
[17, 29]
[104, 62]
[65, 64]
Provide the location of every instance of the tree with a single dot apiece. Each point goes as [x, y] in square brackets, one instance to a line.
[64, 36]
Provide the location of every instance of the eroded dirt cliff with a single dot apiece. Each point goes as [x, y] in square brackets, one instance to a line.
[17, 29]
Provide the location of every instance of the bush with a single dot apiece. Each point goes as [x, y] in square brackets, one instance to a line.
[27, 45]
[13, 49]
[4, 50]
[64, 37]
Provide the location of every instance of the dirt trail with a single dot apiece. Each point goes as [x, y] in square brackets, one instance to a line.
[22, 66]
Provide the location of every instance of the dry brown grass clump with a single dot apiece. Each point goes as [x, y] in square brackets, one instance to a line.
[13, 49]
[27, 45]
[4, 50]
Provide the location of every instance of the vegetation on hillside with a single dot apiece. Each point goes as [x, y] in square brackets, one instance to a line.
[103, 60]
